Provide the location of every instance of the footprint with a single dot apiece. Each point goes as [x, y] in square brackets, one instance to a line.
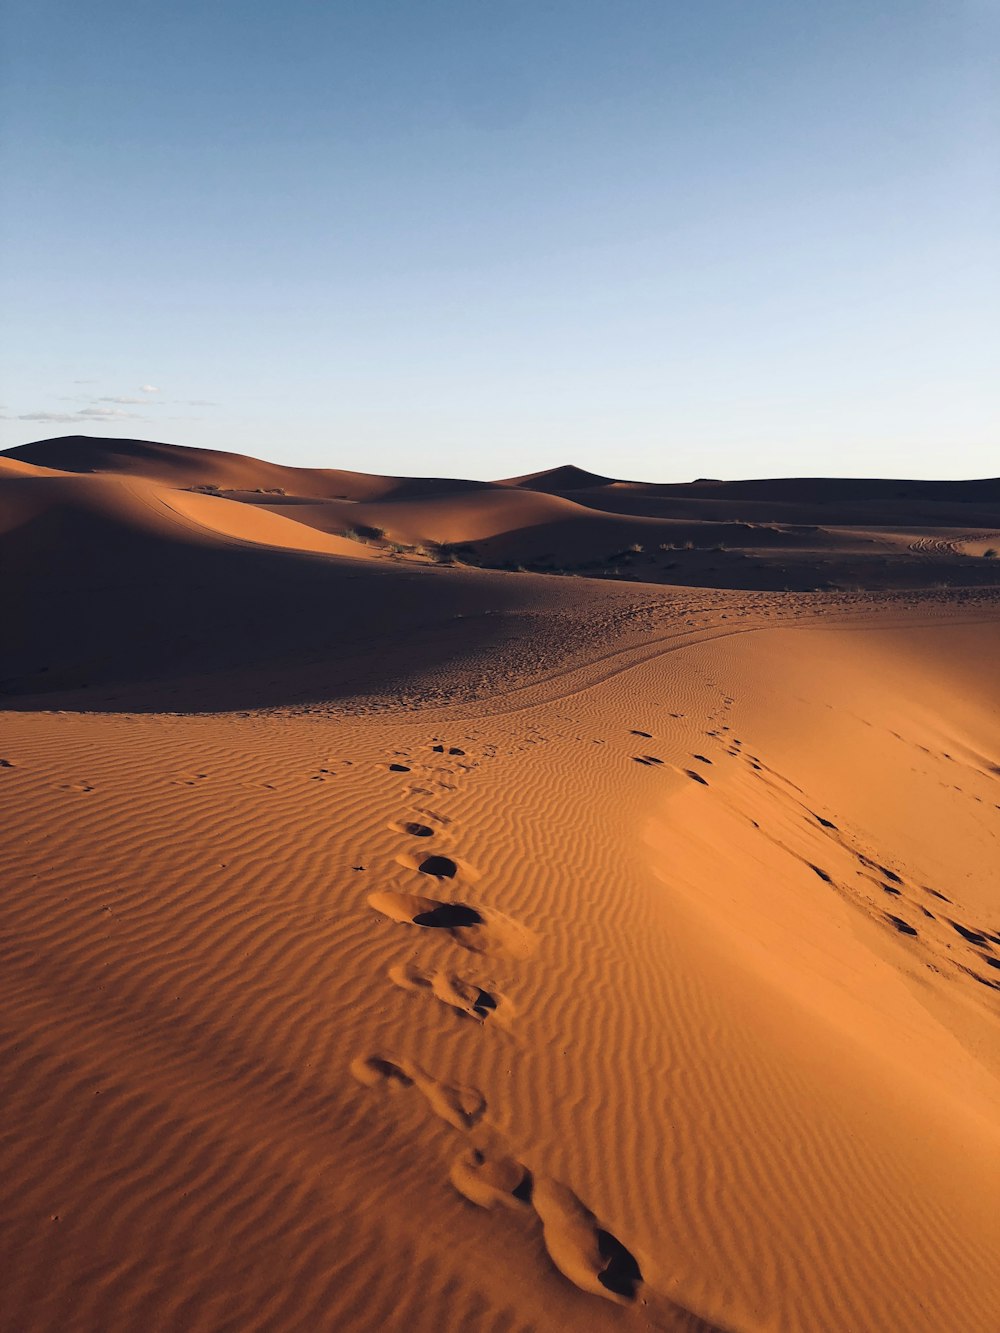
[480, 930]
[695, 777]
[646, 735]
[461, 1107]
[490, 1182]
[438, 867]
[701, 759]
[467, 997]
[902, 926]
[649, 759]
[414, 829]
[398, 768]
[583, 1250]
[967, 933]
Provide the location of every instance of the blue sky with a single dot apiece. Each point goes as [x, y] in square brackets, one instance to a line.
[662, 240]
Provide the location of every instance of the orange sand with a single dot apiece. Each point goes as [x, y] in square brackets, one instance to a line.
[391, 944]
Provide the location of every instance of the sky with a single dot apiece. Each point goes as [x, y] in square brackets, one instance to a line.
[660, 239]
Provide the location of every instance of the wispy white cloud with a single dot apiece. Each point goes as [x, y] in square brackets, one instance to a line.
[121, 399]
[46, 416]
[148, 388]
[108, 412]
[84, 414]
[199, 402]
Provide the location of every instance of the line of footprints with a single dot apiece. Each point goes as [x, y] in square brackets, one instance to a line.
[485, 1172]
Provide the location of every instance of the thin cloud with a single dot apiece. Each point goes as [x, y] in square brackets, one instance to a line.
[148, 388]
[108, 413]
[85, 414]
[106, 398]
[199, 402]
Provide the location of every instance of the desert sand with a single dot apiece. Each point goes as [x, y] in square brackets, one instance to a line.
[555, 903]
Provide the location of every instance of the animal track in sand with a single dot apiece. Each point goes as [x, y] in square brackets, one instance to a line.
[480, 930]
[646, 735]
[580, 1247]
[460, 1106]
[464, 996]
[398, 768]
[695, 777]
[649, 759]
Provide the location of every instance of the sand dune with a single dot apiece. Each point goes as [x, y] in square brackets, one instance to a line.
[788, 534]
[397, 944]
[557, 480]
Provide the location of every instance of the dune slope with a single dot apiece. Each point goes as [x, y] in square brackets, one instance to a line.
[395, 945]
[299, 1008]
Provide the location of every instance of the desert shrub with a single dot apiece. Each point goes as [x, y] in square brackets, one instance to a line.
[363, 533]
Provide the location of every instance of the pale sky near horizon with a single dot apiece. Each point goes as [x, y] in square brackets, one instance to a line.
[662, 240]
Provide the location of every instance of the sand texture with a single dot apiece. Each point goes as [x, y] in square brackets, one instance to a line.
[395, 940]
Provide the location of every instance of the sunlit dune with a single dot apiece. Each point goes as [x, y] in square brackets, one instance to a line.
[555, 903]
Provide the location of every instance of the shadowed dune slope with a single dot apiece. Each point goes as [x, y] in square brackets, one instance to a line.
[556, 480]
[786, 533]
[135, 509]
[181, 600]
[182, 466]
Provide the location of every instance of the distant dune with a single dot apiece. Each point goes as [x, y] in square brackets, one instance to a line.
[558, 903]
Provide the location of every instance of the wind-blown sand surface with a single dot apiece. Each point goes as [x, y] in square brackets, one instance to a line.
[391, 943]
